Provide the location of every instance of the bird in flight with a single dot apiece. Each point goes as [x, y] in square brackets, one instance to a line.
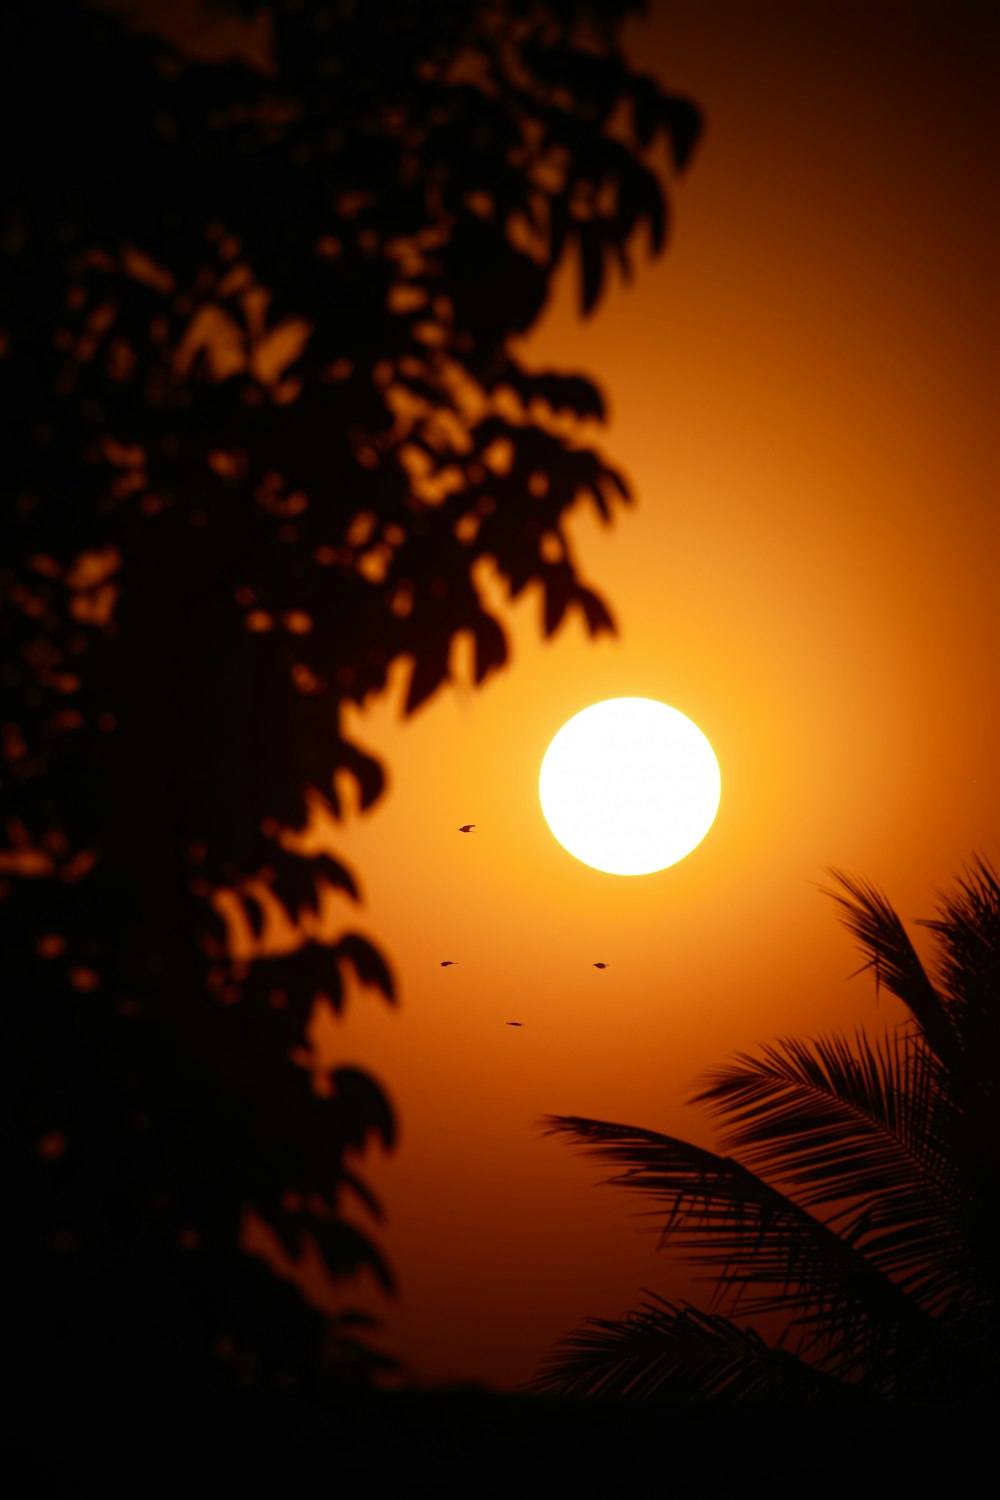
[600, 966]
[515, 1023]
[467, 827]
[448, 963]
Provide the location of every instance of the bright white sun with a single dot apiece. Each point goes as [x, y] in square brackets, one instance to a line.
[629, 786]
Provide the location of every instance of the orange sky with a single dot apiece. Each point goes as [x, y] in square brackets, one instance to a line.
[800, 393]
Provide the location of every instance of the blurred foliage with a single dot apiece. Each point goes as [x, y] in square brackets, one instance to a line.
[264, 420]
[854, 1211]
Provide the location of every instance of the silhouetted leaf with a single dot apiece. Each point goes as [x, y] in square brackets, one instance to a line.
[646, 107]
[590, 238]
[294, 882]
[364, 1105]
[610, 478]
[491, 646]
[365, 769]
[558, 594]
[337, 874]
[596, 612]
[684, 124]
[360, 1188]
[288, 983]
[430, 669]
[568, 393]
[347, 1250]
[368, 963]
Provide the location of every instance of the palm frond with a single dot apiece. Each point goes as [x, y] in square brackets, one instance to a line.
[679, 1354]
[858, 1202]
[769, 1254]
[866, 913]
[961, 1024]
[805, 1110]
[862, 1126]
[967, 930]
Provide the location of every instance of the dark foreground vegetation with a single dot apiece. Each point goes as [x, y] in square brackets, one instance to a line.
[265, 424]
[851, 1221]
[471, 1441]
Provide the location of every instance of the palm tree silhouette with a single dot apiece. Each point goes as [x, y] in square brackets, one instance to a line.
[855, 1208]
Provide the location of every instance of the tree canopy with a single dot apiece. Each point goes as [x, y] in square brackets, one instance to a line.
[265, 420]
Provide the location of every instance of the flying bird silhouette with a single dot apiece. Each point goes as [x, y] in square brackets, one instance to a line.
[600, 966]
[515, 1023]
[467, 827]
[448, 963]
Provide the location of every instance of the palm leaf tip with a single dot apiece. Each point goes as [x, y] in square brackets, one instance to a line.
[967, 930]
[868, 915]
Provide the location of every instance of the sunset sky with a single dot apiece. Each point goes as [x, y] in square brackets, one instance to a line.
[801, 394]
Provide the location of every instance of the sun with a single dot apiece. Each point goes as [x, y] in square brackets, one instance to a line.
[629, 786]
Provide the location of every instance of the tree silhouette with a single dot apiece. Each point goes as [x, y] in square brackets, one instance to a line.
[855, 1209]
[265, 421]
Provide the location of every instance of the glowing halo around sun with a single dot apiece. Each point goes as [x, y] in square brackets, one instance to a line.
[629, 786]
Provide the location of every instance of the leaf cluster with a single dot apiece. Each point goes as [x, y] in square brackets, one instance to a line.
[266, 418]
